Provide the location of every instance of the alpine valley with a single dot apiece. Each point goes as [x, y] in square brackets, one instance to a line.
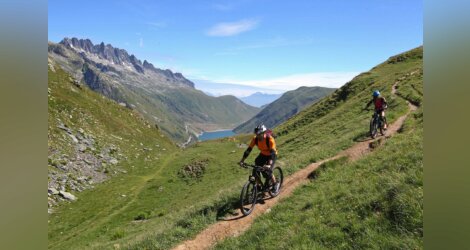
[167, 99]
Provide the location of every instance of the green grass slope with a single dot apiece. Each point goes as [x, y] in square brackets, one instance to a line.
[375, 202]
[105, 131]
[161, 202]
[333, 124]
[337, 121]
[159, 192]
[289, 104]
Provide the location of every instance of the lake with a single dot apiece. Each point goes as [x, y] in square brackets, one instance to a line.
[209, 135]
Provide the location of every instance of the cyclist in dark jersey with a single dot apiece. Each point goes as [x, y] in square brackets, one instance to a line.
[267, 157]
[380, 105]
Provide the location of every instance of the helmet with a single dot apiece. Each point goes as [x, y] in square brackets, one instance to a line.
[376, 93]
[260, 129]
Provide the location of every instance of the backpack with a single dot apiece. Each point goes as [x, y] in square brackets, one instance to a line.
[269, 134]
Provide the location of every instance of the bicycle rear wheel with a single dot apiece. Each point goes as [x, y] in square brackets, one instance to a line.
[248, 198]
[277, 173]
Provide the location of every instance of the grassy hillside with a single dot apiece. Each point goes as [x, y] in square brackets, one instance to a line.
[289, 104]
[337, 121]
[321, 131]
[376, 202]
[154, 189]
[91, 138]
[161, 202]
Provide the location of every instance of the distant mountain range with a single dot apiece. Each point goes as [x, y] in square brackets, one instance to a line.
[289, 104]
[259, 99]
[238, 90]
[165, 98]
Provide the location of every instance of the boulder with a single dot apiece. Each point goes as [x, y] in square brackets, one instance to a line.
[52, 191]
[63, 127]
[67, 195]
[81, 148]
[74, 138]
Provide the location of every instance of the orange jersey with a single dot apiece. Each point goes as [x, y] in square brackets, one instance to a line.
[262, 145]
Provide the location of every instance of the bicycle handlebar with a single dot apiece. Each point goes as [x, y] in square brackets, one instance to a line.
[246, 165]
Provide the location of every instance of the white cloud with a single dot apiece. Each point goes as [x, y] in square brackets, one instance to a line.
[290, 82]
[141, 42]
[226, 53]
[233, 28]
[268, 43]
[157, 24]
[222, 7]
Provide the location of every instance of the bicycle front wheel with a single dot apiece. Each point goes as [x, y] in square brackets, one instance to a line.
[248, 198]
[373, 128]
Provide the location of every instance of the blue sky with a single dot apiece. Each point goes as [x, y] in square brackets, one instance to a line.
[272, 45]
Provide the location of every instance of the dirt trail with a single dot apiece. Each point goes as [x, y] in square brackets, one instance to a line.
[236, 225]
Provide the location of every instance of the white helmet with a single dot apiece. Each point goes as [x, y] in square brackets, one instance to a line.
[260, 129]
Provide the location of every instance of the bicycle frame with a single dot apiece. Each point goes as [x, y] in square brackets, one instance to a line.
[251, 189]
[257, 177]
[378, 119]
[376, 124]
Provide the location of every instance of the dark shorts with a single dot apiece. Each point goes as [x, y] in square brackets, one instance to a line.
[379, 112]
[262, 160]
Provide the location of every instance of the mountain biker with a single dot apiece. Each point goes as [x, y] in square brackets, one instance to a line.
[267, 156]
[380, 105]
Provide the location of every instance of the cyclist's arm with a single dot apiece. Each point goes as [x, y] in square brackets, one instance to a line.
[273, 152]
[369, 103]
[385, 104]
[248, 150]
[246, 154]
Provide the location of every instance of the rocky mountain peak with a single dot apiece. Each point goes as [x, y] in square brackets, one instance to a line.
[120, 57]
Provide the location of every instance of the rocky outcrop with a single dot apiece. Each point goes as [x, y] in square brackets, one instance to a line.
[88, 163]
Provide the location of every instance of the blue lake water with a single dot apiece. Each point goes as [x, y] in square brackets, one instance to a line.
[215, 134]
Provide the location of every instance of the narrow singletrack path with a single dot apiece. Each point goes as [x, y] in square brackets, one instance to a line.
[236, 225]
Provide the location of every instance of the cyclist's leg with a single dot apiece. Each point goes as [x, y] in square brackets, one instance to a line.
[380, 113]
[262, 160]
[384, 119]
[259, 161]
[273, 178]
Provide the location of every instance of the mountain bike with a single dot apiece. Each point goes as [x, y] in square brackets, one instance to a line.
[254, 188]
[376, 123]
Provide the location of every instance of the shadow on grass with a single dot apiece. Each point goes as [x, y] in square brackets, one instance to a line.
[231, 210]
[362, 137]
